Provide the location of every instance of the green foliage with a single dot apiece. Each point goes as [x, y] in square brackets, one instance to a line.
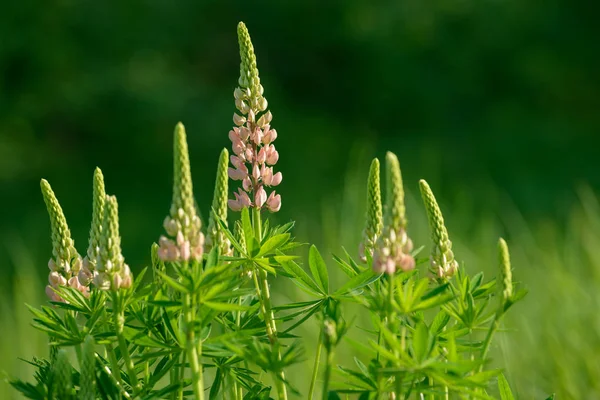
[207, 326]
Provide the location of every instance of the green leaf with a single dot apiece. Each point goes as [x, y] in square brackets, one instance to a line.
[173, 283]
[359, 281]
[420, 341]
[504, 388]
[273, 243]
[247, 228]
[318, 268]
[225, 306]
[296, 271]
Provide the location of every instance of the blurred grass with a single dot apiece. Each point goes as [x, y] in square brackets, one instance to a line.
[549, 339]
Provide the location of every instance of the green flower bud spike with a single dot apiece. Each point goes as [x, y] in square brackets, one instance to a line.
[248, 69]
[395, 210]
[183, 222]
[63, 250]
[182, 208]
[374, 222]
[394, 246]
[216, 236]
[113, 272]
[443, 264]
[62, 379]
[99, 197]
[505, 270]
[87, 376]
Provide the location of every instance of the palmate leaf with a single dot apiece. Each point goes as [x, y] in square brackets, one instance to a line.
[272, 244]
[308, 284]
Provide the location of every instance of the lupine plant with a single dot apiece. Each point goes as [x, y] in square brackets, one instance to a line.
[200, 322]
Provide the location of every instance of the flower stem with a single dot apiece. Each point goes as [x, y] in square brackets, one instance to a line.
[488, 339]
[262, 290]
[119, 320]
[313, 381]
[193, 350]
[328, 367]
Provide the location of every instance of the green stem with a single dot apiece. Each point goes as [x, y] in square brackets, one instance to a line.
[488, 339]
[262, 290]
[114, 364]
[328, 367]
[194, 352]
[116, 381]
[313, 381]
[119, 320]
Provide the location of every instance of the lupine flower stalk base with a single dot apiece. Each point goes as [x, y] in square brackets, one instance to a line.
[200, 322]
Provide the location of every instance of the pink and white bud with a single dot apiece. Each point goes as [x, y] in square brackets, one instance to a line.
[244, 198]
[52, 265]
[272, 155]
[265, 119]
[247, 184]
[260, 197]
[236, 174]
[277, 178]
[184, 250]
[55, 279]
[234, 205]
[270, 136]
[258, 136]
[237, 162]
[244, 133]
[266, 174]
[262, 156]
[102, 281]
[249, 154]
[255, 172]
[238, 119]
[170, 225]
[274, 202]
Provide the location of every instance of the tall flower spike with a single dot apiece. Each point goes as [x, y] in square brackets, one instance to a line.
[62, 244]
[99, 196]
[216, 236]
[252, 137]
[394, 246]
[113, 273]
[183, 223]
[65, 263]
[505, 270]
[443, 263]
[374, 221]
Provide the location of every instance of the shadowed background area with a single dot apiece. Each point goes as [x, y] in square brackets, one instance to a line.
[495, 103]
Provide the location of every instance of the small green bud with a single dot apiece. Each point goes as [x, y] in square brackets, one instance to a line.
[87, 376]
[443, 263]
[62, 376]
[63, 249]
[374, 220]
[99, 197]
[216, 236]
[505, 270]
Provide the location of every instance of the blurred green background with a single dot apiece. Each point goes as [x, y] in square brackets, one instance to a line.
[495, 103]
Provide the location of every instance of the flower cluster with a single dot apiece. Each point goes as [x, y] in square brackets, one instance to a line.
[394, 246]
[183, 223]
[252, 138]
[443, 264]
[111, 270]
[65, 263]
